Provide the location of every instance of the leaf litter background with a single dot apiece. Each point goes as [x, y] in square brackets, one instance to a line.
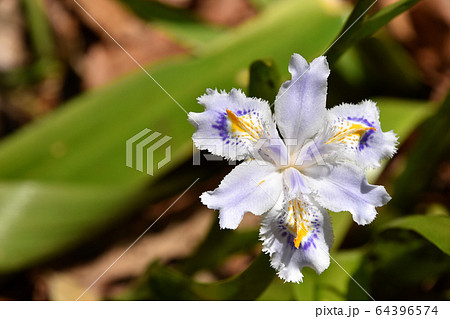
[70, 97]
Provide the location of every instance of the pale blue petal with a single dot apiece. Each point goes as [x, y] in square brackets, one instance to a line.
[252, 186]
[344, 187]
[300, 103]
[215, 131]
[369, 148]
[294, 183]
[278, 242]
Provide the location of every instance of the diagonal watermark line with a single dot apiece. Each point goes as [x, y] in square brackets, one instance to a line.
[349, 27]
[137, 239]
[130, 56]
[354, 280]
[304, 229]
[356, 20]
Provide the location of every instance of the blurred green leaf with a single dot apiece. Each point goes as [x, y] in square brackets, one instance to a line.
[278, 290]
[403, 115]
[83, 142]
[334, 283]
[217, 246]
[362, 27]
[430, 148]
[434, 228]
[44, 62]
[39, 29]
[358, 14]
[164, 283]
[342, 221]
[265, 80]
[405, 264]
[261, 4]
[180, 23]
[38, 219]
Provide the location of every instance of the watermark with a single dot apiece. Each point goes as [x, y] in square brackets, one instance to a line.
[283, 153]
[141, 148]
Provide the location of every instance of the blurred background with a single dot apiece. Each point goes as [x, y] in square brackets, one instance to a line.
[71, 96]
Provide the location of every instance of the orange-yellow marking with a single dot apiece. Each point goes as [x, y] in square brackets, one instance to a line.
[355, 131]
[241, 124]
[297, 222]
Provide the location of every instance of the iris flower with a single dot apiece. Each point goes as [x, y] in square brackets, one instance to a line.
[297, 164]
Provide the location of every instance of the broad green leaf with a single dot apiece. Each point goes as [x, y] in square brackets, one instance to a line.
[83, 142]
[357, 29]
[38, 219]
[164, 283]
[434, 228]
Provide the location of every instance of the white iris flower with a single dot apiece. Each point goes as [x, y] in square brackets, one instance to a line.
[317, 164]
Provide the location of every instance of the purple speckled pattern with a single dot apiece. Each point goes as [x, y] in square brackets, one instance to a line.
[367, 136]
[221, 125]
[289, 237]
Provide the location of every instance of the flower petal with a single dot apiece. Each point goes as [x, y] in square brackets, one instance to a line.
[300, 103]
[231, 124]
[357, 127]
[344, 187]
[252, 186]
[289, 253]
[294, 183]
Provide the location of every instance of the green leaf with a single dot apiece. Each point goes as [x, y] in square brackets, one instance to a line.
[358, 13]
[434, 228]
[278, 290]
[430, 148]
[406, 266]
[82, 144]
[217, 246]
[164, 283]
[180, 23]
[38, 219]
[265, 80]
[334, 283]
[357, 29]
[39, 29]
[44, 62]
[341, 221]
[403, 115]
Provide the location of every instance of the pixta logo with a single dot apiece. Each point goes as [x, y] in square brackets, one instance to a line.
[142, 147]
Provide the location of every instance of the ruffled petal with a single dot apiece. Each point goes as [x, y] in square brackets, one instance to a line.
[300, 103]
[344, 187]
[252, 186]
[357, 127]
[232, 124]
[296, 236]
